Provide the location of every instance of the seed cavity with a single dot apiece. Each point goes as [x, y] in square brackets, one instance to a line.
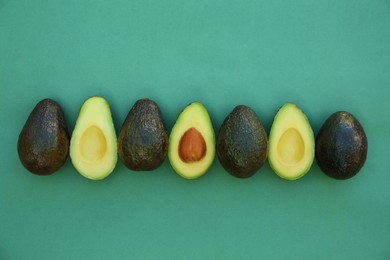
[291, 147]
[93, 144]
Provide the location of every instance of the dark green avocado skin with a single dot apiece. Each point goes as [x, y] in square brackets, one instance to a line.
[143, 139]
[242, 143]
[43, 143]
[341, 146]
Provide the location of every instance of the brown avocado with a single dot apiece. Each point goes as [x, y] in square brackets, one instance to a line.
[143, 139]
[341, 146]
[43, 143]
[242, 143]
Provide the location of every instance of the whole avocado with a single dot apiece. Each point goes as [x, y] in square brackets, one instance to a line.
[242, 142]
[143, 139]
[43, 143]
[341, 146]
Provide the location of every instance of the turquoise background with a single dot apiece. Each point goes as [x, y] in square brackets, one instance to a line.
[323, 55]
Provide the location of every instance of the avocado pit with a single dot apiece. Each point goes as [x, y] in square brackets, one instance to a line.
[192, 146]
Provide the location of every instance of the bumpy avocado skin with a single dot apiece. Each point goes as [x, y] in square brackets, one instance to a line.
[143, 139]
[43, 143]
[341, 146]
[242, 143]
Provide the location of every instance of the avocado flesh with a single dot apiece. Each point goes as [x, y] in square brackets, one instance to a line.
[143, 139]
[242, 143]
[194, 116]
[93, 146]
[43, 143]
[341, 146]
[291, 143]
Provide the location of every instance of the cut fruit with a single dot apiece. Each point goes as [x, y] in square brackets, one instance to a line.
[291, 143]
[192, 142]
[93, 146]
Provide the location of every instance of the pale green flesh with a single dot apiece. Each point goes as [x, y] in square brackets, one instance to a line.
[291, 143]
[93, 146]
[195, 115]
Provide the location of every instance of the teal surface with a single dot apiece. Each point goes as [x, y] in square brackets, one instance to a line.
[324, 56]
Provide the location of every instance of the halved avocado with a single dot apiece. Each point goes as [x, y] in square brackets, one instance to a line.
[192, 142]
[93, 146]
[291, 143]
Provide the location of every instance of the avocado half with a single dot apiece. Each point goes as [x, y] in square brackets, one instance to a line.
[191, 149]
[93, 145]
[291, 143]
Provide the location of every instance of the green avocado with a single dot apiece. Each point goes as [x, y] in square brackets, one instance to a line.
[93, 146]
[341, 146]
[191, 148]
[143, 139]
[242, 142]
[43, 143]
[291, 143]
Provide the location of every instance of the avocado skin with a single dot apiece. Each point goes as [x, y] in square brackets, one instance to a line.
[43, 143]
[143, 139]
[242, 143]
[341, 146]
